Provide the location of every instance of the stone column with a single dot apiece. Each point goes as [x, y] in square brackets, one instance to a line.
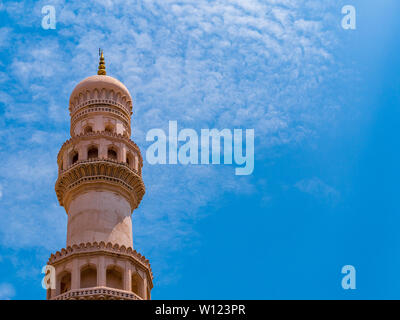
[101, 272]
[75, 275]
[127, 277]
[145, 288]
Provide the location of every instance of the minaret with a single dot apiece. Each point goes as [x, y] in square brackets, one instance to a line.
[99, 184]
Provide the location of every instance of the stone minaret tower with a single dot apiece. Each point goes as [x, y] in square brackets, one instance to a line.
[99, 184]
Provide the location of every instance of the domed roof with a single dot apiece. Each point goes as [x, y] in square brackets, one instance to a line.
[99, 82]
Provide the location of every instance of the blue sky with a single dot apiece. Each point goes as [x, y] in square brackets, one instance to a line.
[323, 102]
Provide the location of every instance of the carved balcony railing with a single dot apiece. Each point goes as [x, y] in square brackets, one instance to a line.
[97, 293]
[101, 170]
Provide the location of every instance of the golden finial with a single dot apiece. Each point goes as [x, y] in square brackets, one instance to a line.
[102, 64]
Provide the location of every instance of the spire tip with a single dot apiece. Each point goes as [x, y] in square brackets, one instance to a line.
[102, 65]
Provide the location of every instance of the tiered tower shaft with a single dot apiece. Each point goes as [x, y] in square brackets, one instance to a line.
[99, 184]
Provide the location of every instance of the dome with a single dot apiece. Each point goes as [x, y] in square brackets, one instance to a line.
[98, 83]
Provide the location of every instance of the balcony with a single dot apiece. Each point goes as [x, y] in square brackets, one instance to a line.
[97, 293]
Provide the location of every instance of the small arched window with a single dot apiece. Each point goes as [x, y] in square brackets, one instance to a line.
[112, 154]
[129, 160]
[93, 153]
[137, 284]
[109, 128]
[74, 157]
[88, 129]
[114, 278]
[88, 277]
[65, 283]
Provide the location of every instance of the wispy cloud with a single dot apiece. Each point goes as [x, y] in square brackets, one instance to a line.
[235, 64]
[7, 291]
[316, 187]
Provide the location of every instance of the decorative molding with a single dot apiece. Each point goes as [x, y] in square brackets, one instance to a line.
[86, 97]
[97, 293]
[102, 247]
[100, 109]
[104, 171]
[100, 134]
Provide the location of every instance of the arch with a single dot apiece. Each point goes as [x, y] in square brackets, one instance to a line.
[88, 129]
[130, 160]
[103, 93]
[65, 282]
[88, 276]
[112, 153]
[114, 277]
[93, 152]
[109, 128]
[96, 94]
[137, 284]
[73, 156]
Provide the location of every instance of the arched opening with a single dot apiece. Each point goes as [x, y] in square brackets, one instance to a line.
[93, 153]
[74, 157]
[137, 284]
[112, 154]
[114, 278]
[65, 282]
[129, 160]
[88, 277]
[88, 129]
[109, 128]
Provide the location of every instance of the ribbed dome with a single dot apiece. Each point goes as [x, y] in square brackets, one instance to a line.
[100, 82]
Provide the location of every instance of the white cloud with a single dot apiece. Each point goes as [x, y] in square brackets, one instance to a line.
[7, 291]
[317, 188]
[248, 64]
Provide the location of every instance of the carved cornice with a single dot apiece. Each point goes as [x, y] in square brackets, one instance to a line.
[89, 103]
[101, 171]
[88, 99]
[101, 248]
[102, 109]
[97, 293]
[101, 134]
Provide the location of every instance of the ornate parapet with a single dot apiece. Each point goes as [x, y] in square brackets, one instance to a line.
[96, 135]
[102, 247]
[97, 293]
[97, 172]
[100, 271]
